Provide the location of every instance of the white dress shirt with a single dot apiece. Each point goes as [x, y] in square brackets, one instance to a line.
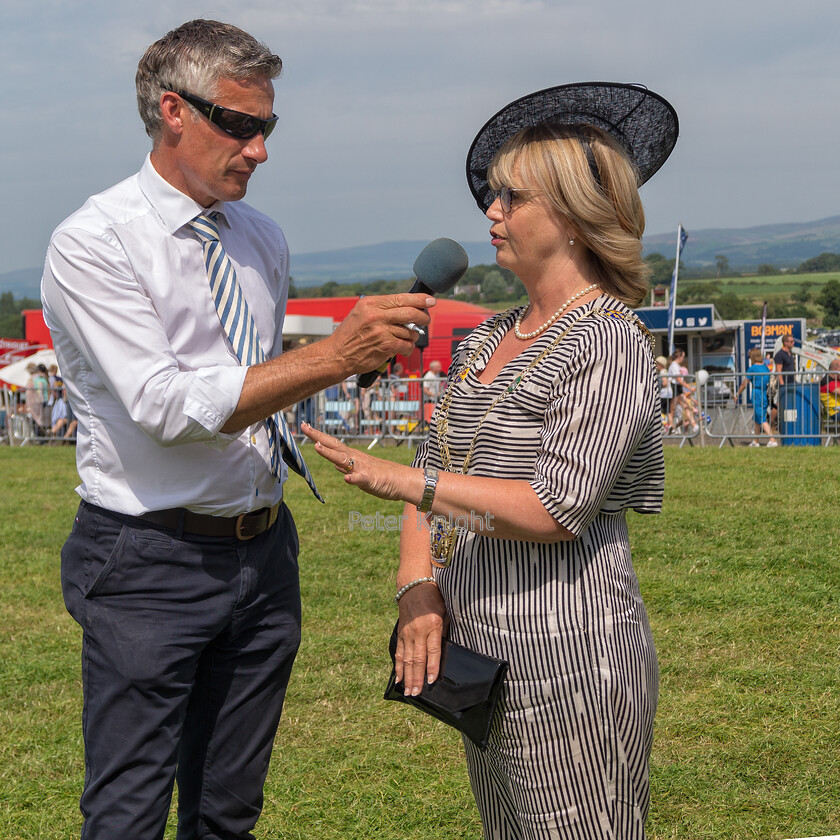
[150, 373]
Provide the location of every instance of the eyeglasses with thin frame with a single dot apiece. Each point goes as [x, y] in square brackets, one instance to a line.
[506, 195]
[238, 124]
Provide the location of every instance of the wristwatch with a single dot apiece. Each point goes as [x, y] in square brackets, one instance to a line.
[429, 490]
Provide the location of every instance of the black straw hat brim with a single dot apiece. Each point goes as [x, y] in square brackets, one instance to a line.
[642, 122]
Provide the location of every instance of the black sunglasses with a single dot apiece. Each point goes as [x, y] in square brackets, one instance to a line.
[236, 123]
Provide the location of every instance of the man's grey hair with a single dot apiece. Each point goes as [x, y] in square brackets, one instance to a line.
[193, 58]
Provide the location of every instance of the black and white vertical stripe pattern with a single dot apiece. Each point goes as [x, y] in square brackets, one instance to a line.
[569, 750]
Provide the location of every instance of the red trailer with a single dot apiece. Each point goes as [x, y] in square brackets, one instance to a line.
[34, 329]
[451, 321]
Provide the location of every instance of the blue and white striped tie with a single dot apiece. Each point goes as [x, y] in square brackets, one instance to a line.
[233, 312]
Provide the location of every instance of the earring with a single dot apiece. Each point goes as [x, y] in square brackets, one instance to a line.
[571, 242]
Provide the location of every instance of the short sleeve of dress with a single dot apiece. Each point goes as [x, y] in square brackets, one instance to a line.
[601, 417]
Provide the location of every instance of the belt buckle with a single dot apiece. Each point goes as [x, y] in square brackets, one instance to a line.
[237, 531]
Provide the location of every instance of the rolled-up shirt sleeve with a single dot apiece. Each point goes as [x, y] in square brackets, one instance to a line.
[599, 411]
[107, 327]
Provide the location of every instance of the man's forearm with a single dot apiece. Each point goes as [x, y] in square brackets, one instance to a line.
[284, 381]
[374, 331]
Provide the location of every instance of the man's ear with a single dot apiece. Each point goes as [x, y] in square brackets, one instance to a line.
[173, 111]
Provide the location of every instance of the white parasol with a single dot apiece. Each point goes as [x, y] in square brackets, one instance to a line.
[15, 373]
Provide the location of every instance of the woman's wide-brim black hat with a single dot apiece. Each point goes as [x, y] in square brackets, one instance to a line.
[642, 122]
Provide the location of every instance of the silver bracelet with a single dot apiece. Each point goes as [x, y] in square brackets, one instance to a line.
[411, 586]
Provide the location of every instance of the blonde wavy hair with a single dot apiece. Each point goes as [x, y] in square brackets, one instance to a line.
[591, 183]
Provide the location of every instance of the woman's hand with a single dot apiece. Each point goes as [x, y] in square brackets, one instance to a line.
[422, 623]
[380, 478]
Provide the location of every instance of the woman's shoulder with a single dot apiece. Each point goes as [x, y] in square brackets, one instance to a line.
[614, 320]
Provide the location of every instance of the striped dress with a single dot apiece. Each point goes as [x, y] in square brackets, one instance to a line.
[568, 756]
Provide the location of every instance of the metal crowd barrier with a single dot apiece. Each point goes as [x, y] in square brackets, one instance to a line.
[397, 410]
[797, 416]
[27, 425]
[686, 417]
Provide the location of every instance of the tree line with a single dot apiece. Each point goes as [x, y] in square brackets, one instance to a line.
[480, 284]
[704, 286]
[490, 284]
[11, 322]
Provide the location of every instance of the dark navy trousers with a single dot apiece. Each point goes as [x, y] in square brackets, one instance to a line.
[187, 649]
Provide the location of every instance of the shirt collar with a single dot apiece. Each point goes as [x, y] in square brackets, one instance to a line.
[174, 208]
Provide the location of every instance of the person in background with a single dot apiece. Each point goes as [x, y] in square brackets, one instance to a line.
[830, 382]
[666, 394]
[758, 378]
[772, 392]
[36, 393]
[350, 395]
[682, 390]
[396, 382]
[830, 397]
[549, 430]
[181, 566]
[63, 421]
[784, 374]
[785, 362]
[690, 398]
[432, 381]
[55, 383]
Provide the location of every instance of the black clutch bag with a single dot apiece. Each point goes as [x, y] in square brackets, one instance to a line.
[464, 695]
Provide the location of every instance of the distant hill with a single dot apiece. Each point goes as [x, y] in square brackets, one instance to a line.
[783, 245]
[386, 261]
[363, 263]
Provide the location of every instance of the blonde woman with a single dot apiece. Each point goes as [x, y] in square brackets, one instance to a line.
[549, 430]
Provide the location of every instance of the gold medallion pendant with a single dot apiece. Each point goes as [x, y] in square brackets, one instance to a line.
[442, 540]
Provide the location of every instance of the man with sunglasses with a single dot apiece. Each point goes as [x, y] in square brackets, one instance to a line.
[181, 566]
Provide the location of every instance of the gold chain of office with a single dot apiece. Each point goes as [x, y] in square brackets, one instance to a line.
[443, 533]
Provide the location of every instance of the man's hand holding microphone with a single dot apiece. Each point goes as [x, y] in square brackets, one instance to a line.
[376, 329]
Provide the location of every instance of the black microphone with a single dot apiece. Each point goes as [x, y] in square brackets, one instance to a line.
[438, 267]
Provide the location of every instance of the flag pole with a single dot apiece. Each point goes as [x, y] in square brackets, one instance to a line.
[672, 303]
[764, 330]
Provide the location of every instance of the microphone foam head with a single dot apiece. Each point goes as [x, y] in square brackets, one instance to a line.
[441, 264]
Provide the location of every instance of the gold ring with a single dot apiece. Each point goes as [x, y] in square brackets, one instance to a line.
[350, 464]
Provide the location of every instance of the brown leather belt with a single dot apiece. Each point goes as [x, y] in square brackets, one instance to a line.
[246, 526]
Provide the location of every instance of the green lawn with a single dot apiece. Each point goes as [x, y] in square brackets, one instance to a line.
[741, 576]
[761, 287]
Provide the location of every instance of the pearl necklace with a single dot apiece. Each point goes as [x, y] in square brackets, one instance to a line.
[543, 327]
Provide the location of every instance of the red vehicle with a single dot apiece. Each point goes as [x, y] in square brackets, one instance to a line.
[451, 321]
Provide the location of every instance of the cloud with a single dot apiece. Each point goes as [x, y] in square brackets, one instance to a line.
[380, 100]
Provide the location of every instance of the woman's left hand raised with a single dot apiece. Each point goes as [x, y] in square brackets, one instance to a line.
[376, 476]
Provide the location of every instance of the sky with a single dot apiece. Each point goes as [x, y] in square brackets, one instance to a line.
[380, 99]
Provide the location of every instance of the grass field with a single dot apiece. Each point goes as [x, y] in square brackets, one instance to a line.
[759, 288]
[741, 576]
